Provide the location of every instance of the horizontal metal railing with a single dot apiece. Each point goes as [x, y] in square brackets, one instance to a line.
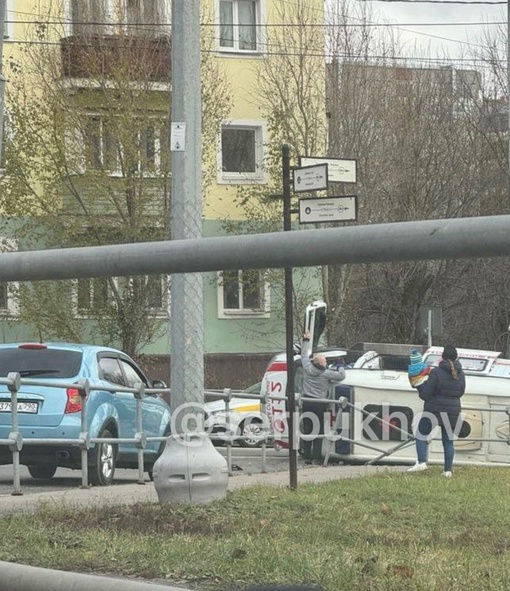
[16, 441]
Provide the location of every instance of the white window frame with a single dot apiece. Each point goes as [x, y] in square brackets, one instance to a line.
[241, 312]
[260, 29]
[85, 312]
[9, 20]
[244, 178]
[11, 287]
[112, 16]
[117, 172]
[163, 312]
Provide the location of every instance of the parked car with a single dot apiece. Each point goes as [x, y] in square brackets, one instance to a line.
[54, 413]
[244, 419]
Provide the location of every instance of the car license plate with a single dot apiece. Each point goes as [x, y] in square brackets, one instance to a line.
[27, 407]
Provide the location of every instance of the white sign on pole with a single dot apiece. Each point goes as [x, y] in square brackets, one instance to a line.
[178, 137]
[339, 171]
[328, 209]
[310, 178]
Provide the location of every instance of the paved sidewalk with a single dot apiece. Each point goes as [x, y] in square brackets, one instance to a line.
[135, 493]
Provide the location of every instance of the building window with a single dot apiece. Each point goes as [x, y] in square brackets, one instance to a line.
[387, 423]
[92, 295]
[243, 293]
[136, 17]
[153, 290]
[240, 24]
[88, 18]
[241, 155]
[142, 149]
[146, 17]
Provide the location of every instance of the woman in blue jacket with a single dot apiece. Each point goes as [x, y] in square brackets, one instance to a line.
[441, 393]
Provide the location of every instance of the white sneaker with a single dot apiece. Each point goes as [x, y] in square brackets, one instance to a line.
[418, 467]
[447, 474]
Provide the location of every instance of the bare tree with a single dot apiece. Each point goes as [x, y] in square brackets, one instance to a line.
[411, 129]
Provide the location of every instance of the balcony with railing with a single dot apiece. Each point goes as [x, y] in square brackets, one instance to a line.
[105, 56]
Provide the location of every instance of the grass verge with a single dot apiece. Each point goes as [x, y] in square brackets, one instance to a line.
[384, 533]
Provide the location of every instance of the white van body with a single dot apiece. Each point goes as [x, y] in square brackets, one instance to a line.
[370, 394]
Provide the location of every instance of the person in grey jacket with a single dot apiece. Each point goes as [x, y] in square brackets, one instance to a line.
[317, 379]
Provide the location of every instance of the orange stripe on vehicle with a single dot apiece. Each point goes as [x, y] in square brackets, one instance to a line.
[255, 407]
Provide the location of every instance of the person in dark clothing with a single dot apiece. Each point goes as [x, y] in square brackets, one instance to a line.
[441, 393]
[316, 381]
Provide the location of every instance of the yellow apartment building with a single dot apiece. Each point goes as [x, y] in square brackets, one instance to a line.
[87, 155]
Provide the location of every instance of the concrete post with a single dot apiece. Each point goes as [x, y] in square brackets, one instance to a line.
[186, 313]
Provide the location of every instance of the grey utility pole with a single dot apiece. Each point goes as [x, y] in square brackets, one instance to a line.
[2, 79]
[186, 323]
[189, 470]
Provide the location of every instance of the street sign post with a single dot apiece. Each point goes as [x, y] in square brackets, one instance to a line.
[328, 209]
[310, 178]
[339, 171]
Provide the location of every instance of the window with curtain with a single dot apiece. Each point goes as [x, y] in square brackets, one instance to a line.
[107, 145]
[238, 24]
[145, 17]
[88, 18]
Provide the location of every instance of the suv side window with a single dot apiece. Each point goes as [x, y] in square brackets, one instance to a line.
[110, 370]
[133, 376]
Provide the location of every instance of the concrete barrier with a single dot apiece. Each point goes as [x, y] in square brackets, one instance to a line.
[18, 577]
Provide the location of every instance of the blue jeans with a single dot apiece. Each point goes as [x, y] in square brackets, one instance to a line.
[422, 445]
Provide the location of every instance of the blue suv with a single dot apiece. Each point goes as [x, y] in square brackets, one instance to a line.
[53, 413]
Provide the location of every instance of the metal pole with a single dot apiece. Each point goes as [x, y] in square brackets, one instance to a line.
[508, 86]
[186, 322]
[289, 326]
[453, 238]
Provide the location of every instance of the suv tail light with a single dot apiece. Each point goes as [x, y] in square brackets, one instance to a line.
[73, 403]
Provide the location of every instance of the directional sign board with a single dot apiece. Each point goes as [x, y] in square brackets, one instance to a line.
[339, 171]
[311, 178]
[328, 209]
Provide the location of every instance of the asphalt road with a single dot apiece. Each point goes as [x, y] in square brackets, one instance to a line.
[249, 460]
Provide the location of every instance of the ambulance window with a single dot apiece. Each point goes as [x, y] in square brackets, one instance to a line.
[473, 364]
[465, 430]
[397, 419]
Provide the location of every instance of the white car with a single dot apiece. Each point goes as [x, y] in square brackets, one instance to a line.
[244, 419]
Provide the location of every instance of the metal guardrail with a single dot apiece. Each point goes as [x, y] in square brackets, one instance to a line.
[16, 441]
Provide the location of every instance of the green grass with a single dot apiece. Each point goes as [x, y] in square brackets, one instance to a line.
[378, 533]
